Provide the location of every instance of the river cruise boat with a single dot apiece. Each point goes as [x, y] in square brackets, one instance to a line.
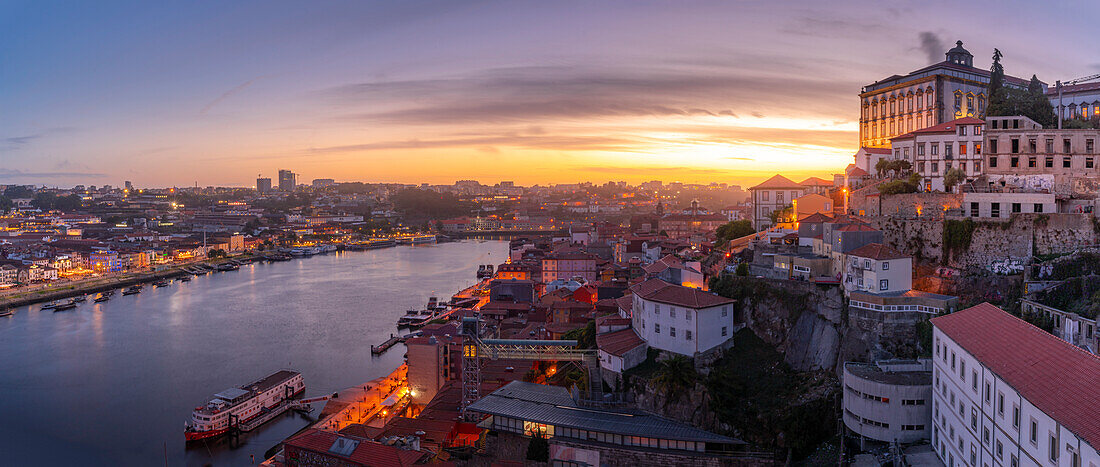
[51, 305]
[65, 306]
[241, 404]
[102, 298]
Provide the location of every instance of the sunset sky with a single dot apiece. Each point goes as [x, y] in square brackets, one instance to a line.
[534, 92]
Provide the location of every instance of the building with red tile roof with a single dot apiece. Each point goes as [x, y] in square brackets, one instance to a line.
[319, 447]
[996, 376]
[680, 319]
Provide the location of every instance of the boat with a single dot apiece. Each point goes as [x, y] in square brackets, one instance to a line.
[185, 278]
[51, 305]
[132, 290]
[79, 299]
[6, 313]
[65, 306]
[238, 405]
[161, 283]
[102, 298]
[228, 266]
[423, 239]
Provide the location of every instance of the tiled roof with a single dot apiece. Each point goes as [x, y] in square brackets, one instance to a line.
[858, 172]
[946, 127]
[657, 290]
[877, 251]
[777, 181]
[815, 181]
[619, 342]
[626, 303]
[1071, 88]
[367, 452]
[668, 261]
[1058, 378]
[876, 150]
[855, 228]
[816, 218]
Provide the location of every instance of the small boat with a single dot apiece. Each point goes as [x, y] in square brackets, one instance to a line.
[80, 299]
[109, 293]
[161, 283]
[51, 305]
[132, 290]
[102, 298]
[6, 313]
[65, 306]
[230, 266]
[185, 279]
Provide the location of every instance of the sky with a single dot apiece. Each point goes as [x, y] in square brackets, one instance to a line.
[216, 93]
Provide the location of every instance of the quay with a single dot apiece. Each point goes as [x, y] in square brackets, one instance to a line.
[374, 400]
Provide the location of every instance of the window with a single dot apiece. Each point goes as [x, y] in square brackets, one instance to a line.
[1016, 207]
[1033, 435]
[973, 209]
[935, 167]
[1015, 161]
[764, 195]
[1050, 145]
[987, 392]
[993, 161]
[947, 150]
[920, 167]
[687, 314]
[1031, 162]
[1053, 449]
[1065, 145]
[1031, 146]
[962, 149]
[993, 145]
[1049, 162]
[995, 210]
[974, 381]
[724, 312]
[687, 335]
[977, 148]
[920, 149]
[883, 284]
[671, 332]
[656, 328]
[1038, 207]
[1088, 163]
[1015, 145]
[1014, 462]
[1088, 146]
[1015, 416]
[671, 312]
[723, 331]
[985, 435]
[1001, 403]
[1000, 450]
[1065, 162]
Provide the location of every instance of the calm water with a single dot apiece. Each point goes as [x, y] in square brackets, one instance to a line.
[112, 383]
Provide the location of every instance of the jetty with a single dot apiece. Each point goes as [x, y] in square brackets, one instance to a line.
[392, 341]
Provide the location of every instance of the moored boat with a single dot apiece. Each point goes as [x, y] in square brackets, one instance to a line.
[241, 404]
[5, 313]
[65, 306]
[50, 305]
[160, 283]
[102, 298]
[132, 290]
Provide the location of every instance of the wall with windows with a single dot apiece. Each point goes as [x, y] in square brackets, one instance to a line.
[888, 406]
[682, 330]
[978, 419]
[1003, 205]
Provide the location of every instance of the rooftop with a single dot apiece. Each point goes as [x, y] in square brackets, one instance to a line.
[657, 290]
[1058, 378]
[553, 405]
[877, 251]
[874, 372]
[619, 342]
[777, 181]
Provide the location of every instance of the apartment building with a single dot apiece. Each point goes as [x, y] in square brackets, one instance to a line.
[889, 400]
[682, 320]
[1006, 393]
[934, 150]
[774, 194]
[1019, 151]
[877, 268]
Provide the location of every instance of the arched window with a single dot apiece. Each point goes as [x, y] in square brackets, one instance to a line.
[920, 99]
[929, 98]
[909, 106]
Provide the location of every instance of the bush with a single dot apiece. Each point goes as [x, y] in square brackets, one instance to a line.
[743, 269]
[539, 448]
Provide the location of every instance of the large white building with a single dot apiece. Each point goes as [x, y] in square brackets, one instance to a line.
[678, 319]
[889, 400]
[1006, 393]
[939, 148]
[877, 268]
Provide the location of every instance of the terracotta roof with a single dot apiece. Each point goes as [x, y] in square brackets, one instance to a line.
[877, 251]
[777, 181]
[946, 127]
[619, 342]
[1058, 378]
[858, 172]
[816, 218]
[1071, 88]
[657, 290]
[876, 150]
[856, 228]
[626, 303]
[815, 181]
[367, 452]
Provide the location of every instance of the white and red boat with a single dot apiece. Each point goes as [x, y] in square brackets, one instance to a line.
[241, 404]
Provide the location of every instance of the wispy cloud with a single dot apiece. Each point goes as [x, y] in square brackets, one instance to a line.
[226, 95]
[13, 174]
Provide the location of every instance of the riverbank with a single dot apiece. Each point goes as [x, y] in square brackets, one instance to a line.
[18, 298]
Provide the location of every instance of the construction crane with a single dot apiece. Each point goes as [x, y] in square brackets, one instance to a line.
[1072, 82]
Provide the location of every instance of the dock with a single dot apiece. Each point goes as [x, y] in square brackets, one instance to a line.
[392, 341]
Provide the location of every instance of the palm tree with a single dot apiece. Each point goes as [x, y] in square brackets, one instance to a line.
[675, 375]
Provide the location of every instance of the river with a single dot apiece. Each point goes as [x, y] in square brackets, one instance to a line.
[113, 383]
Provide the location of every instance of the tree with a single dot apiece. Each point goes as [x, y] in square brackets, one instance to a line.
[675, 375]
[881, 167]
[18, 191]
[539, 448]
[953, 177]
[781, 215]
[996, 79]
[734, 229]
[742, 269]
[1031, 103]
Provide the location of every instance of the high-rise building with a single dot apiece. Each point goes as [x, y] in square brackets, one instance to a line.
[263, 185]
[287, 180]
[932, 95]
[129, 186]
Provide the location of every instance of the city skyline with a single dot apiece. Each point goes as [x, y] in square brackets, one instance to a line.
[536, 94]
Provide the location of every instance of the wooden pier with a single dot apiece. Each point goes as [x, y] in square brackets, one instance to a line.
[392, 341]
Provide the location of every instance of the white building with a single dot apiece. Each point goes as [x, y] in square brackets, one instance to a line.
[939, 148]
[1006, 393]
[1004, 204]
[877, 268]
[774, 194]
[682, 320]
[889, 400]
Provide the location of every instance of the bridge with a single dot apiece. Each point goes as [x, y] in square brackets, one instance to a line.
[474, 348]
